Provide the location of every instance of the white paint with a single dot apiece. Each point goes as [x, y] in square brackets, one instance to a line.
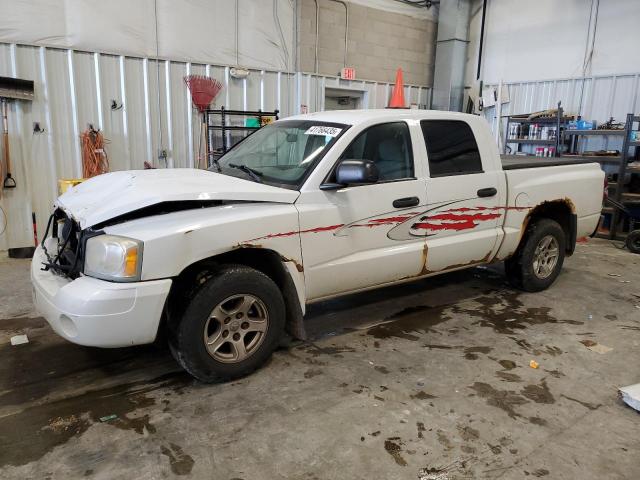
[188, 30]
[602, 97]
[93, 312]
[529, 40]
[97, 76]
[312, 228]
[113, 194]
[74, 114]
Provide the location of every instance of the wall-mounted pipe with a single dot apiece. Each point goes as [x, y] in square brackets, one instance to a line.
[420, 3]
[276, 21]
[346, 28]
[484, 16]
[237, 32]
[317, 35]
[346, 31]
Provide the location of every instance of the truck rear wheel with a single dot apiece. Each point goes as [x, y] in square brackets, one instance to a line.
[231, 325]
[539, 259]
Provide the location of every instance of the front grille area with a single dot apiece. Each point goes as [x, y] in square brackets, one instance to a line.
[63, 256]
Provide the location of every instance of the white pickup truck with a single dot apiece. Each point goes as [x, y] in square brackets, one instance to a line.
[305, 209]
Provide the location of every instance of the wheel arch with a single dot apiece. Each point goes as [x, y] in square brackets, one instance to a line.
[562, 211]
[265, 260]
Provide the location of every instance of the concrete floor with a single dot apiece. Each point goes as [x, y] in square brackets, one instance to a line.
[429, 380]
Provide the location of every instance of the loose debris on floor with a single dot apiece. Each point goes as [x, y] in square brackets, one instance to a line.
[596, 347]
[631, 396]
[19, 340]
[108, 418]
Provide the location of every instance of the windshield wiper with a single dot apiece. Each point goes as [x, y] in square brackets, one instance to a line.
[252, 172]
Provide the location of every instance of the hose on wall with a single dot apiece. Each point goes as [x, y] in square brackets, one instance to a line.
[94, 156]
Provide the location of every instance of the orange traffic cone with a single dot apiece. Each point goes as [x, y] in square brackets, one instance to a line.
[397, 96]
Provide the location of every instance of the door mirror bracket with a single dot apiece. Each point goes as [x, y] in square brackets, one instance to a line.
[331, 186]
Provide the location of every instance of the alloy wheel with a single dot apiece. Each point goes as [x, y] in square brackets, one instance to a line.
[545, 257]
[236, 328]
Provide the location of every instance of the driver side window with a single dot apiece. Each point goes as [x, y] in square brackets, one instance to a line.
[388, 145]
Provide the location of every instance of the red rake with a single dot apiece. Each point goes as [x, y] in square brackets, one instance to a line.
[203, 90]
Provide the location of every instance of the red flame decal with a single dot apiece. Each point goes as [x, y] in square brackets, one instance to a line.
[453, 219]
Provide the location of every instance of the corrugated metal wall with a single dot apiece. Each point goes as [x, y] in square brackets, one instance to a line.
[75, 89]
[595, 98]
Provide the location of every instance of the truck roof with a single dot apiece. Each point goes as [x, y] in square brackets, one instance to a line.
[355, 117]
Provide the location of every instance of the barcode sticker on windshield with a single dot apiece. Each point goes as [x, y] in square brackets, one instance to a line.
[325, 131]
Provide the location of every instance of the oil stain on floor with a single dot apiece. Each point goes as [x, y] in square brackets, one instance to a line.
[500, 310]
[393, 446]
[539, 393]
[506, 314]
[509, 400]
[409, 322]
[506, 400]
[180, 462]
[36, 430]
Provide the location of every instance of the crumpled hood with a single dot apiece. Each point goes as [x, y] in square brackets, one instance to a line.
[113, 194]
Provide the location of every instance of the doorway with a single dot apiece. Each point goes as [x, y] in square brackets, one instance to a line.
[343, 99]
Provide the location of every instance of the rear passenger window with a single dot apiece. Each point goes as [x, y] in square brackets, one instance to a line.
[451, 147]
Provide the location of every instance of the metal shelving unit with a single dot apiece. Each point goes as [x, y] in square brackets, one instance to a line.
[557, 121]
[574, 136]
[533, 141]
[565, 136]
[622, 160]
[219, 138]
[594, 132]
[620, 195]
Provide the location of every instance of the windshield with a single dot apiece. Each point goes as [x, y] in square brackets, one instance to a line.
[283, 153]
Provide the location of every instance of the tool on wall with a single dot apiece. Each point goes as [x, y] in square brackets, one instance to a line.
[11, 89]
[203, 91]
[8, 181]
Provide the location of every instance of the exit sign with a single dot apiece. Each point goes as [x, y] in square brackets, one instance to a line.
[348, 73]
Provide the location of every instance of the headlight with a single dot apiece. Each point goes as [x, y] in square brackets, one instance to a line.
[110, 257]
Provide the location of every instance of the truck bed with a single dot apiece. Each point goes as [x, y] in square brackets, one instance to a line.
[516, 162]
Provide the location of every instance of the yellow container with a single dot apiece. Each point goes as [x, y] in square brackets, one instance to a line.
[66, 183]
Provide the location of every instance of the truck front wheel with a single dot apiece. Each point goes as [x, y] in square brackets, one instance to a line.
[539, 259]
[231, 325]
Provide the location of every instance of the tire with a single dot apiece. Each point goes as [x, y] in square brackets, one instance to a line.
[239, 308]
[633, 241]
[531, 272]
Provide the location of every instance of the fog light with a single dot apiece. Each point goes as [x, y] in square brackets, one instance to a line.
[68, 327]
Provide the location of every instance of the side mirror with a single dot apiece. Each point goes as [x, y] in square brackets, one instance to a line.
[356, 172]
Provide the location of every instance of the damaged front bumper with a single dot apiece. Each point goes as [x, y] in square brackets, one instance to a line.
[98, 313]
